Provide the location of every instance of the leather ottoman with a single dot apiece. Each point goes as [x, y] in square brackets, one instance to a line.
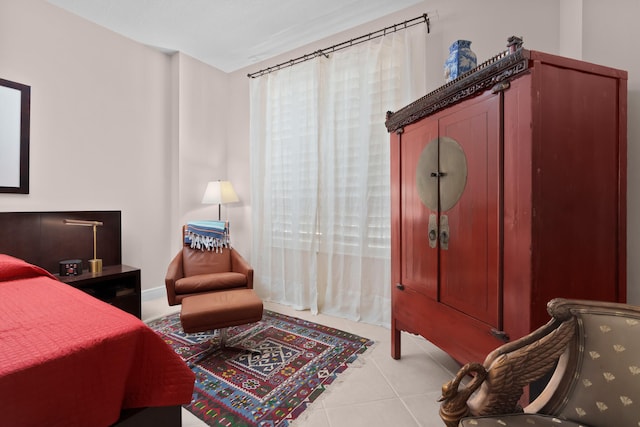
[219, 310]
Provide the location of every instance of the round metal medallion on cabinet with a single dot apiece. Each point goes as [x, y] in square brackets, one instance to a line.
[441, 172]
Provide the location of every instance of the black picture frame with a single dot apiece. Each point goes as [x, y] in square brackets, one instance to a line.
[20, 182]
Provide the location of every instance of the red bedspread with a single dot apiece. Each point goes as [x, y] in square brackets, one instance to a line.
[68, 359]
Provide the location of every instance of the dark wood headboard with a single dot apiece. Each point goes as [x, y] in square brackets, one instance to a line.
[43, 239]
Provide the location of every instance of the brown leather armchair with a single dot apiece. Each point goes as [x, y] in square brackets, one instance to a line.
[194, 272]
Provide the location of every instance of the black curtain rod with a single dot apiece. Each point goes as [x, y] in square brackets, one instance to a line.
[336, 47]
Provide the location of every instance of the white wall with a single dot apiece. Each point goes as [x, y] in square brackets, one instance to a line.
[610, 30]
[202, 137]
[571, 29]
[114, 125]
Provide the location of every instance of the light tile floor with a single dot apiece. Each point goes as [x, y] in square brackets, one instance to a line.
[377, 390]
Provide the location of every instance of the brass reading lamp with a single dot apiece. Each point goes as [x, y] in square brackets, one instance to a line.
[95, 264]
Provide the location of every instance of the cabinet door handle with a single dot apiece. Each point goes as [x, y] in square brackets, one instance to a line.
[444, 239]
[433, 231]
[444, 232]
[400, 286]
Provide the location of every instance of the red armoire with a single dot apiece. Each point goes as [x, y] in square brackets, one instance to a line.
[508, 189]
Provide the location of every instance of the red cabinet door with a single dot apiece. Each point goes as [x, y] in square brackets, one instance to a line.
[470, 266]
[418, 261]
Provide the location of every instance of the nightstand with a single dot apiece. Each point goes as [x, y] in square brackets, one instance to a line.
[118, 285]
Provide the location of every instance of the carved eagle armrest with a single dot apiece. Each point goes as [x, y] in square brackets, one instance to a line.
[498, 384]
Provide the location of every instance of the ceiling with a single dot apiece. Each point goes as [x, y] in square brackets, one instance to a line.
[230, 34]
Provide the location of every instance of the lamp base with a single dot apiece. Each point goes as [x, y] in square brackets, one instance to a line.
[95, 265]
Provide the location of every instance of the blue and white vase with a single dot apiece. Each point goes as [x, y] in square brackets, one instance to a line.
[461, 59]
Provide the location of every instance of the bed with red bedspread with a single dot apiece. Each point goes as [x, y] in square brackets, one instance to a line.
[68, 359]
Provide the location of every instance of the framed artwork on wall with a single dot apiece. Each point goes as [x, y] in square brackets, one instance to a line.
[15, 110]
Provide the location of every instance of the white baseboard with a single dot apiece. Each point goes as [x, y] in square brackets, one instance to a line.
[154, 293]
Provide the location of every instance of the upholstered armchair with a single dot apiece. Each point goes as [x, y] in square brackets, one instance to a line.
[591, 348]
[196, 271]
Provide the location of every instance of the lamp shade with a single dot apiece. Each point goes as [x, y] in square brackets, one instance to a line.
[219, 192]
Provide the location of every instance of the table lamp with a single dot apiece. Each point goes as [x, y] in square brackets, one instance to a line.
[219, 192]
[95, 264]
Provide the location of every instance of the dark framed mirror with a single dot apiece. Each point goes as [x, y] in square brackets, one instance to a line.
[15, 110]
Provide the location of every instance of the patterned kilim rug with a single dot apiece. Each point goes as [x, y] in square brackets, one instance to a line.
[298, 359]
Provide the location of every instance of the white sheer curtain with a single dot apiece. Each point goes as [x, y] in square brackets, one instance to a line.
[320, 176]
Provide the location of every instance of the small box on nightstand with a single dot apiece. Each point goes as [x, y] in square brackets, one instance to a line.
[70, 267]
